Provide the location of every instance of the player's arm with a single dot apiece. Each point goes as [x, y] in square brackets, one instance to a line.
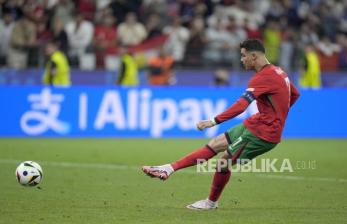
[294, 94]
[237, 108]
[257, 86]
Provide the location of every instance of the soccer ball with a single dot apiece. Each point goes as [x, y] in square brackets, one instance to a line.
[29, 173]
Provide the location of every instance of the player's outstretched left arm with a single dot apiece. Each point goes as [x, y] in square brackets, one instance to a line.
[237, 108]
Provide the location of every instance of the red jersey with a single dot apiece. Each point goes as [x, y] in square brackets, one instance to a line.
[274, 94]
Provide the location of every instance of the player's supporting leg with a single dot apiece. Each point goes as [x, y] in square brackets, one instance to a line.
[216, 145]
[245, 146]
[220, 179]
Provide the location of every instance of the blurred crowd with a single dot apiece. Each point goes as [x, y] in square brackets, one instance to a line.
[196, 33]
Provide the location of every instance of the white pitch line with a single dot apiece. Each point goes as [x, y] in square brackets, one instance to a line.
[287, 177]
[126, 167]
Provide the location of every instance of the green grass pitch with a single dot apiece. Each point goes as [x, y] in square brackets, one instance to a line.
[99, 181]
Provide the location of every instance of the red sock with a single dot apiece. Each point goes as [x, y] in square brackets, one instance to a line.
[219, 181]
[190, 160]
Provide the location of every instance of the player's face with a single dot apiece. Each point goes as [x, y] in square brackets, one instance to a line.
[247, 59]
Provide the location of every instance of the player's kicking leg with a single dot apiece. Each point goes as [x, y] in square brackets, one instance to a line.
[216, 145]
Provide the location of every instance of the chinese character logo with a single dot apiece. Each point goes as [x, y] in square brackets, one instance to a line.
[43, 116]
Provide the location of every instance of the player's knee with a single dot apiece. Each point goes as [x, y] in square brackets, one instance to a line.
[212, 143]
[217, 149]
[217, 145]
[223, 165]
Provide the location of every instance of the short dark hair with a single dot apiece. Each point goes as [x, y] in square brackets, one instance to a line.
[253, 45]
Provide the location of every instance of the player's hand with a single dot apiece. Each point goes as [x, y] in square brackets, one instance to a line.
[201, 125]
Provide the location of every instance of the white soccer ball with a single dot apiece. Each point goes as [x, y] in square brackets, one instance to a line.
[29, 173]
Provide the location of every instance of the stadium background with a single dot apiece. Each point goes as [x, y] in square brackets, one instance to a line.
[103, 133]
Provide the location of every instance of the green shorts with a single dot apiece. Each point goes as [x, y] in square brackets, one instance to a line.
[244, 145]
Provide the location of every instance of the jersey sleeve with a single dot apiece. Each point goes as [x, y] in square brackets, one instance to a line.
[257, 86]
[237, 108]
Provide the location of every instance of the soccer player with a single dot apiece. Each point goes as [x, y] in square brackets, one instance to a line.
[274, 93]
